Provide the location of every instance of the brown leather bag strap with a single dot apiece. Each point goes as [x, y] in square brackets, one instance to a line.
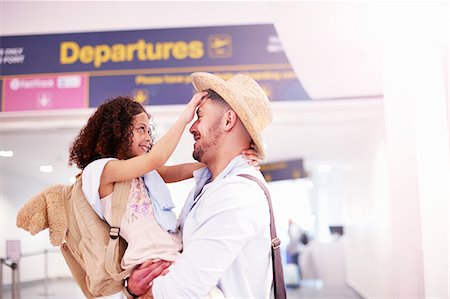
[278, 276]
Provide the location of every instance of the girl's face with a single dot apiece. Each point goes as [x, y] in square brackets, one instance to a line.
[141, 141]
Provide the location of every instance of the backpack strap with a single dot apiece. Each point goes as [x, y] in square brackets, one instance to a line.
[119, 205]
[277, 267]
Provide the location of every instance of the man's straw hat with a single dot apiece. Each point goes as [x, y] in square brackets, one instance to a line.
[246, 98]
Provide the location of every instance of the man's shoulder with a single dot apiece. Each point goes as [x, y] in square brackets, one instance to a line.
[243, 175]
[245, 195]
[238, 186]
[236, 196]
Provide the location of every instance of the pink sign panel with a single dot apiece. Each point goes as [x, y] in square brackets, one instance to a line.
[45, 92]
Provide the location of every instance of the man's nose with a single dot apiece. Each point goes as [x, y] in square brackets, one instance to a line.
[193, 128]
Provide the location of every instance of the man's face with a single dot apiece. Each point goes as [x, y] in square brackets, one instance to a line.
[206, 130]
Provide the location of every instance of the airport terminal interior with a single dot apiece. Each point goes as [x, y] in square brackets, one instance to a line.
[357, 159]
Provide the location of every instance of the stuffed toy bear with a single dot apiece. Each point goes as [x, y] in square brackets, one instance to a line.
[91, 252]
[45, 210]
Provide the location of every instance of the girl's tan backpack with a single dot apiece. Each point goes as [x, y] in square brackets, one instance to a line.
[92, 249]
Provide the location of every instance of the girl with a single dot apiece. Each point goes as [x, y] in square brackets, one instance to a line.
[115, 146]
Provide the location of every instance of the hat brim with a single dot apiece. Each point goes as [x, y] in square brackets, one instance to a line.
[228, 91]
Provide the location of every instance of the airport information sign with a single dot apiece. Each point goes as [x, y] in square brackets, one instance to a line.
[79, 70]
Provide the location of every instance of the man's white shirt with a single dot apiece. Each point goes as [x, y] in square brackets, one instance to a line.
[226, 238]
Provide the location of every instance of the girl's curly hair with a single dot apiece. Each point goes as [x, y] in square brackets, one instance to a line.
[107, 133]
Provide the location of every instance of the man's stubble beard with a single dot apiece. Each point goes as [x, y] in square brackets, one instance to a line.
[213, 139]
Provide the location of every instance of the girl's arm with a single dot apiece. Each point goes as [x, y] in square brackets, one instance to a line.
[121, 170]
[180, 172]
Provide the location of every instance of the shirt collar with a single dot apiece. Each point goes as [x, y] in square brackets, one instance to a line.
[203, 174]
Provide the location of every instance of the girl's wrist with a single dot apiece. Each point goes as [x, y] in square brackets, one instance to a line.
[184, 119]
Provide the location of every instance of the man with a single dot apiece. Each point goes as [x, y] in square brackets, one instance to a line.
[225, 221]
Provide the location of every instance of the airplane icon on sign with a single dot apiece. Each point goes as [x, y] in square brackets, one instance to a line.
[220, 46]
[218, 43]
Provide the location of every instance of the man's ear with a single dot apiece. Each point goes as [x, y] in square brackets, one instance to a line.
[230, 120]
